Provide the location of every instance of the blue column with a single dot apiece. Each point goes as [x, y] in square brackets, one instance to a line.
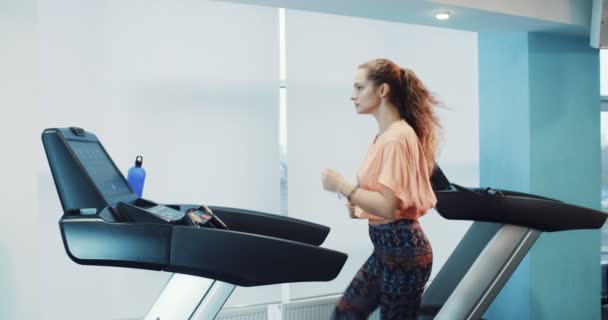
[504, 145]
[540, 133]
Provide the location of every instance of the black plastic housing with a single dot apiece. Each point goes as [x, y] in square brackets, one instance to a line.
[242, 258]
[510, 207]
[103, 227]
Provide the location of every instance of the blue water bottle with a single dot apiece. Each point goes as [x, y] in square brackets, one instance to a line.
[136, 176]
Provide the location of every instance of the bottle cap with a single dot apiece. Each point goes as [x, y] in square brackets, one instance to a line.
[138, 161]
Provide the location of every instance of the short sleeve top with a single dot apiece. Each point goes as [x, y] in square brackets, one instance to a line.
[396, 160]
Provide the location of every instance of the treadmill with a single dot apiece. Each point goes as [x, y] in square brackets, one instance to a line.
[209, 249]
[506, 226]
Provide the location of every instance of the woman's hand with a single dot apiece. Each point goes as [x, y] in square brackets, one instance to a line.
[332, 180]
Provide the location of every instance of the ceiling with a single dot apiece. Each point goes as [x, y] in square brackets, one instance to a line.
[555, 16]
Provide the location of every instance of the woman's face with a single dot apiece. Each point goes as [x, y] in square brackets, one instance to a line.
[365, 95]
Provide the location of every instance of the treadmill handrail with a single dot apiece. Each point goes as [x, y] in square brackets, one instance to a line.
[276, 226]
[510, 207]
[532, 212]
[235, 257]
[266, 224]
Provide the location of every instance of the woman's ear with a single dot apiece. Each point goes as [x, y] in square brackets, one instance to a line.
[383, 90]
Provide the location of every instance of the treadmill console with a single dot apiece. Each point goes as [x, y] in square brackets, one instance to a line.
[101, 170]
[100, 179]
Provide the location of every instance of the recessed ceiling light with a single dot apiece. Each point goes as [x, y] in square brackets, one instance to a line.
[442, 15]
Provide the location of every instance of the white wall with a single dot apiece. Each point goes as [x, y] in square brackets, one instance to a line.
[323, 129]
[18, 84]
[190, 85]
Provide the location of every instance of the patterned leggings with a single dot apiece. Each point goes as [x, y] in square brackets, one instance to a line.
[394, 275]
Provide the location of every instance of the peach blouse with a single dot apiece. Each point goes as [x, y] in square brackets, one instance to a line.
[396, 160]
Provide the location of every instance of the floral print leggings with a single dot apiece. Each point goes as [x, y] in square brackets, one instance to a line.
[393, 277]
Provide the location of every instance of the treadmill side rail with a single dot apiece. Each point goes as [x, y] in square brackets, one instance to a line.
[486, 277]
[458, 264]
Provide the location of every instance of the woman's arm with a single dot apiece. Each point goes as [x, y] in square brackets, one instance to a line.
[382, 204]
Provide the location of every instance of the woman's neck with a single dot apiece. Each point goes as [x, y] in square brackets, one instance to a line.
[386, 115]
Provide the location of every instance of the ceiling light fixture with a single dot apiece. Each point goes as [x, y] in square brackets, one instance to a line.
[443, 15]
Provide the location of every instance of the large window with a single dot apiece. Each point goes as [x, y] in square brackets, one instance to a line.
[604, 74]
[283, 111]
[604, 144]
[604, 141]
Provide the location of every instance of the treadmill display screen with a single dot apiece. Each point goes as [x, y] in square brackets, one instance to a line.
[99, 167]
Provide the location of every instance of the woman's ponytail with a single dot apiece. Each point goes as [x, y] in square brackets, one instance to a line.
[417, 110]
